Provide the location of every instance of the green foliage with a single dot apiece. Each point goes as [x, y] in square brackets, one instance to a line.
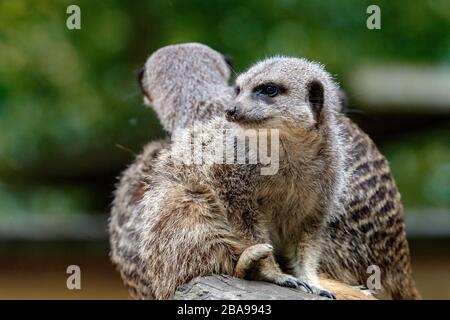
[421, 166]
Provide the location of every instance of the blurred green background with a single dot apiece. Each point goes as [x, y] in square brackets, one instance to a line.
[72, 117]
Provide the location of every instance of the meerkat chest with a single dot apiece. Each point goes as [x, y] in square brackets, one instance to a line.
[287, 200]
[287, 197]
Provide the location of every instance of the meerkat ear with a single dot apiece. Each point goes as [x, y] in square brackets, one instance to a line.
[343, 100]
[316, 96]
[139, 77]
[228, 60]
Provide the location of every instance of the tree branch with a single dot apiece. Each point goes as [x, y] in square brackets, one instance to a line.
[229, 288]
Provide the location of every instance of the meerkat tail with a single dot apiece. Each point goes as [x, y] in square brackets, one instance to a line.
[399, 281]
[404, 289]
[345, 292]
[408, 293]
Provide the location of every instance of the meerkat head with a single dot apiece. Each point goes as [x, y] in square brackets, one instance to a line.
[180, 82]
[283, 92]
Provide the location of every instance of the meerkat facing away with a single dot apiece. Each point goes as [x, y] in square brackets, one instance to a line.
[127, 216]
[205, 92]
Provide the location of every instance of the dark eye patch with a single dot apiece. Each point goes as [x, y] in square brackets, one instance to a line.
[269, 89]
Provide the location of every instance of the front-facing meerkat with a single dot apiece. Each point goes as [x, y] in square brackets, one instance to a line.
[297, 98]
[366, 225]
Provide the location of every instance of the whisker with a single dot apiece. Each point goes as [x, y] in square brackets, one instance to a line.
[121, 147]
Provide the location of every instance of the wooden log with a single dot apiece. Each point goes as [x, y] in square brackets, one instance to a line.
[229, 288]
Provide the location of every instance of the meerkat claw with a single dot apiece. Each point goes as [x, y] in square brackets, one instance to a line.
[326, 294]
[289, 283]
[296, 283]
[304, 285]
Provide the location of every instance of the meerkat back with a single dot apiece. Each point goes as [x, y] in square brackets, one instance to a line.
[369, 230]
[194, 63]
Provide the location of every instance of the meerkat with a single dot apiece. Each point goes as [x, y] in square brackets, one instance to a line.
[203, 93]
[126, 217]
[366, 226]
[297, 98]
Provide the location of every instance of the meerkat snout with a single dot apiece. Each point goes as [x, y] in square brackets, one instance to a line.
[230, 113]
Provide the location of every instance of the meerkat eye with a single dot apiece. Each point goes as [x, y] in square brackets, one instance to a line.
[237, 90]
[270, 90]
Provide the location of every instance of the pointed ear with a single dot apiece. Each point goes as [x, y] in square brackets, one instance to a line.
[139, 76]
[316, 96]
[343, 100]
[228, 60]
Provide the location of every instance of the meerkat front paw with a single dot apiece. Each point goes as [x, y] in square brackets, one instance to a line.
[322, 293]
[290, 281]
[313, 280]
[286, 280]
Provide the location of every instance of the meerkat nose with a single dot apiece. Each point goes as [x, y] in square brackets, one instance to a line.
[231, 113]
